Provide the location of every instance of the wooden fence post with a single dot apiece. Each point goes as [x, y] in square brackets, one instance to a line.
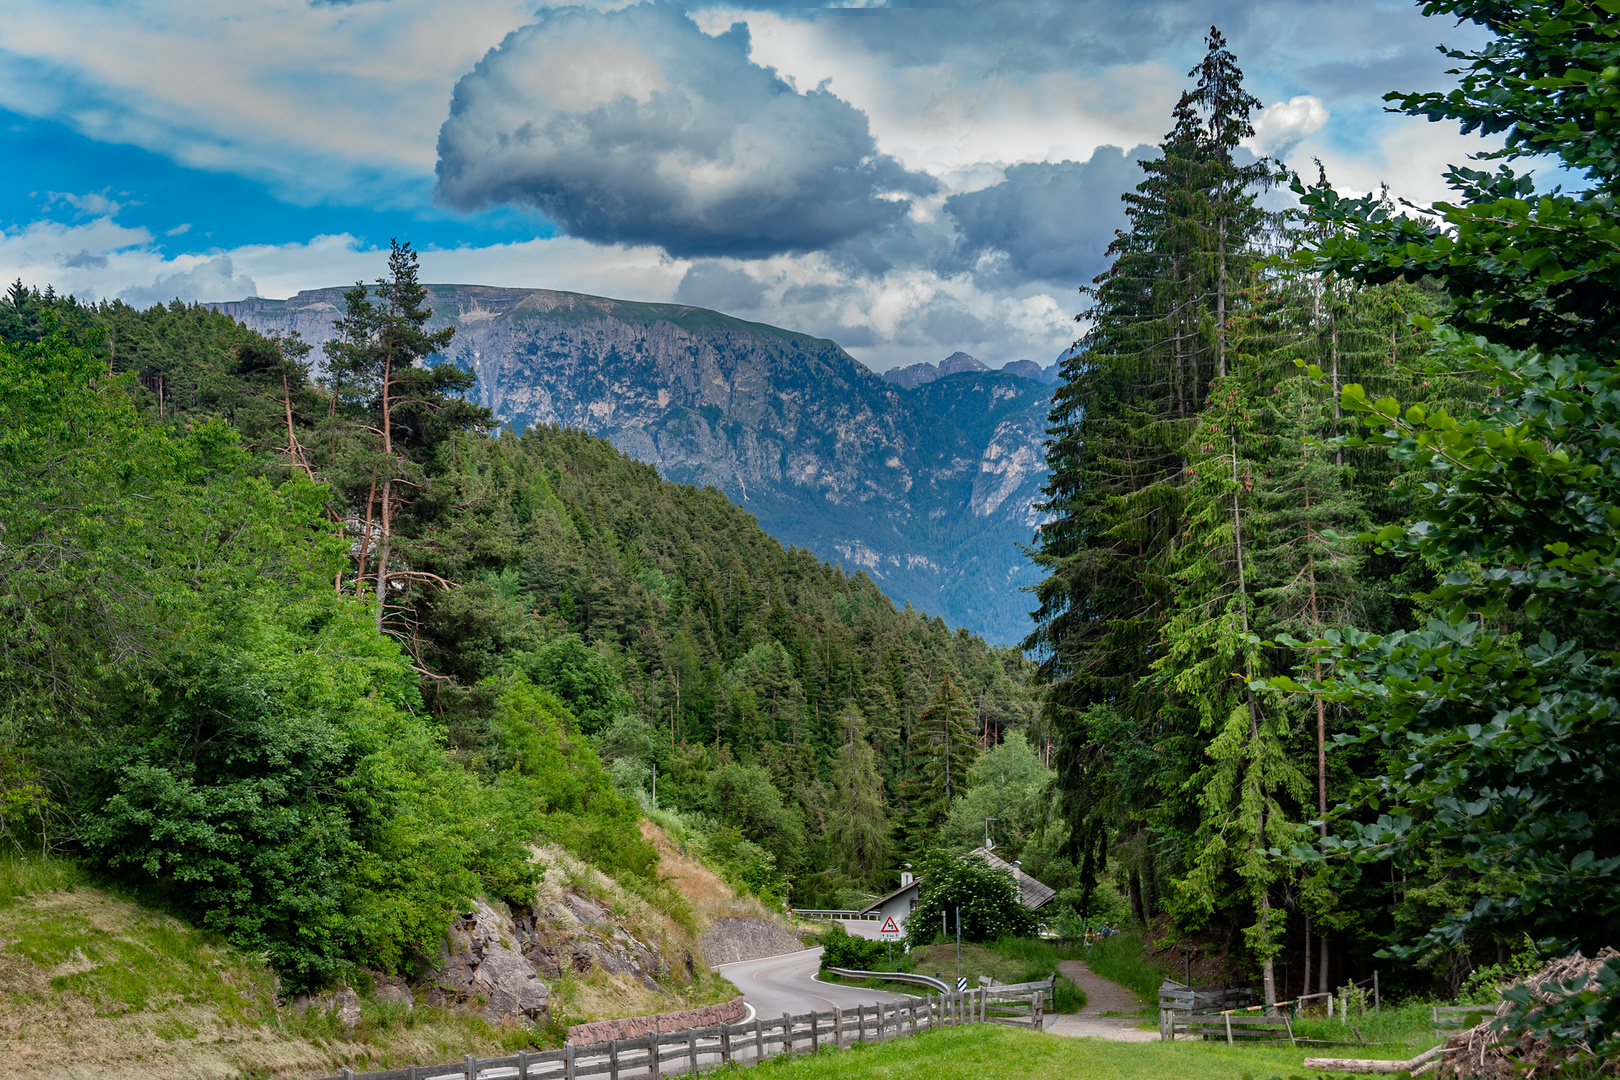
[472, 1067]
[787, 1035]
[523, 1065]
[838, 1027]
[815, 1032]
[725, 1045]
[1040, 1013]
[410, 1072]
[654, 1065]
[613, 1059]
[568, 1061]
[759, 1039]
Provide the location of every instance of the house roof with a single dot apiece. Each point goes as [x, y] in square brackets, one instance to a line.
[880, 901]
[1032, 892]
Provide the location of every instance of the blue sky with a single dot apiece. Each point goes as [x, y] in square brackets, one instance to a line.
[907, 178]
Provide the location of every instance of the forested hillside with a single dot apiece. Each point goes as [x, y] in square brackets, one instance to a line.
[1327, 615]
[314, 664]
[923, 490]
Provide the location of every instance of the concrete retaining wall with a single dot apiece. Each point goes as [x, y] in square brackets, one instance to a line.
[745, 938]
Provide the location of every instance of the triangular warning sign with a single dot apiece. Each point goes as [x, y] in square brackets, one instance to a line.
[889, 926]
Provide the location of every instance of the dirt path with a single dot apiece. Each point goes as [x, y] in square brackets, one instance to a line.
[1102, 996]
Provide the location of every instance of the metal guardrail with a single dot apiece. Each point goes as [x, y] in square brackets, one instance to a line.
[834, 915]
[894, 976]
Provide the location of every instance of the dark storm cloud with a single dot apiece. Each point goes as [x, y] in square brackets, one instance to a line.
[1378, 46]
[1052, 222]
[711, 285]
[636, 127]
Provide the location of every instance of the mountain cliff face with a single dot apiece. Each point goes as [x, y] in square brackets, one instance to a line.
[929, 490]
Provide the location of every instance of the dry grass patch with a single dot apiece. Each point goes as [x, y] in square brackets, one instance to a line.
[96, 987]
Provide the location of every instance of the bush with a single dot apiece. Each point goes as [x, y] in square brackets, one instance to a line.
[988, 899]
[842, 949]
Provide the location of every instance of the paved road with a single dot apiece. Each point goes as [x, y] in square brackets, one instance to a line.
[787, 984]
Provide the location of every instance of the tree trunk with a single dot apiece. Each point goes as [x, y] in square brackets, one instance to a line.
[1305, 983]
[386, 540]
[382, 551]
[1220, 298]
[1138, 910]
[365, 540]
[1338, 409]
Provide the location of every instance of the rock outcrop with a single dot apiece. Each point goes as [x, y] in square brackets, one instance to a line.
[480, 968]
[578, 935]
[343, 1003]
[929, 489]
[744, 938]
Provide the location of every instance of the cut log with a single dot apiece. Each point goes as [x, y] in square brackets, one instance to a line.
[1371, 1065]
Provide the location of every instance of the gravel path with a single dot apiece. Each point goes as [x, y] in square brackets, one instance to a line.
[1102, 996]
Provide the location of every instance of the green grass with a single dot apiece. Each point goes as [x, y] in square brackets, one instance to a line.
[1120, 957]
[987, 1052]
[34, 875]
[1010, 960]
[1393, 1024]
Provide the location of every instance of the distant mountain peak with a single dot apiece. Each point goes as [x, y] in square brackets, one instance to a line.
[914, 375]
[959, 362]
[1029, 369]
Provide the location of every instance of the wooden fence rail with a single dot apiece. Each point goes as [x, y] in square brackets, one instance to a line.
[744, 1043]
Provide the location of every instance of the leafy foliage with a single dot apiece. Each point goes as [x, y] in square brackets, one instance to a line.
[986, 897]
[1503, 705]
[841, 949]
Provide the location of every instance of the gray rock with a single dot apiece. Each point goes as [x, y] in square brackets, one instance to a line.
[342, 1002]
[481, 969]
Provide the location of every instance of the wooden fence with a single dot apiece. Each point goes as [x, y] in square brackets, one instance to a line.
[744, 1043]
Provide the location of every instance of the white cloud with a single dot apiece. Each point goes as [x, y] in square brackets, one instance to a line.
[268, 89]
[1281, 127]
[213, 279]
[636, 127]
[90, 204]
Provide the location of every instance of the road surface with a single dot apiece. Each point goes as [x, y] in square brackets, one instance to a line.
[787, 984]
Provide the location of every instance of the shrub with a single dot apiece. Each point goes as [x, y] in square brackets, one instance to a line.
[842, 949]
[987, 898]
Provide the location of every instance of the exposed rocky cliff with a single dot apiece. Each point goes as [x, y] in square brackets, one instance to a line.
[928, 490]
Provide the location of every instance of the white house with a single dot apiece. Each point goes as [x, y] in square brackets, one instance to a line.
[902, 901]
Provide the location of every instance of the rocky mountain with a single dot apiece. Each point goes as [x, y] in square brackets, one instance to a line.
[928, 489]
[914, 375]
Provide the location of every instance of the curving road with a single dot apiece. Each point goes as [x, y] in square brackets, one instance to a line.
[787, 984]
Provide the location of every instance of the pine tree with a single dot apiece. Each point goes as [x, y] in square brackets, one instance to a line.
[943, 744]
[377, 365]
[1121, 422]
[858, 828]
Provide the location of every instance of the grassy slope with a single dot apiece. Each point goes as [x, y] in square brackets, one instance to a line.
[999, 1053]
[94, 985]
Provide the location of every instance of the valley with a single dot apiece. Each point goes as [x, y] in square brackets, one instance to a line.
[927, 485]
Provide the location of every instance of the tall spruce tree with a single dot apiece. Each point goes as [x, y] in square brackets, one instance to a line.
[1132, 392]
[943, 746]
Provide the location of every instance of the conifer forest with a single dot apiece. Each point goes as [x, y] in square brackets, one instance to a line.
[1323, 679]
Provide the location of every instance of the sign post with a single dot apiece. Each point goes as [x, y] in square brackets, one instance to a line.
[890, 932]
